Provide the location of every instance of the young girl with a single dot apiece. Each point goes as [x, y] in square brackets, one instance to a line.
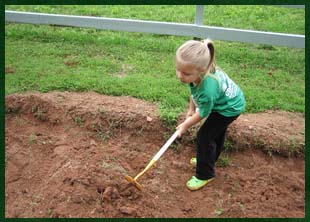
[213, 96]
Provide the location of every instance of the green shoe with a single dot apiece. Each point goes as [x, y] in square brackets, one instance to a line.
[193, 161]
[195, 184]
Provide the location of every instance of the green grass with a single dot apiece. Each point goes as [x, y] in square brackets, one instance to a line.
[45, 58]
[263, 18]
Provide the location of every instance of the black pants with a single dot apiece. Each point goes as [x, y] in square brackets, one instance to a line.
[210, 144]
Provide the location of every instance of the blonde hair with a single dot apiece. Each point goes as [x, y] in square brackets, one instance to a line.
[198, 53]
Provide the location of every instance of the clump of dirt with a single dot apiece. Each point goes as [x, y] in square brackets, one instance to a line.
[67, 155]
[9, 70]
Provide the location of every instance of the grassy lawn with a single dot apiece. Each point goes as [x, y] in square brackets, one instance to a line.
[44, 58]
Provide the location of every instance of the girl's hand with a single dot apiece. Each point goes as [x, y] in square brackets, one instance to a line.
[182, 129]
[190, 113]
[194, 119]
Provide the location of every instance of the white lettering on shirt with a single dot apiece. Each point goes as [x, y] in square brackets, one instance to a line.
[228, 86]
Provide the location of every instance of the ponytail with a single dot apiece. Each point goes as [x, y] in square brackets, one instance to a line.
[210, 46]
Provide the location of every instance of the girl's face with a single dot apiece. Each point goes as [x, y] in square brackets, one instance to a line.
[188, 73]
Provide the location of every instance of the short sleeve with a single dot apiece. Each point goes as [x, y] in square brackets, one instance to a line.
[205, 106]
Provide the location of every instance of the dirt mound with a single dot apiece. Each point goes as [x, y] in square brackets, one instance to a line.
[272, 131]
[67, 155]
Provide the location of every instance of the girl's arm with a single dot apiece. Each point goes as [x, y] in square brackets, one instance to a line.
[189, 122]
[192, 108]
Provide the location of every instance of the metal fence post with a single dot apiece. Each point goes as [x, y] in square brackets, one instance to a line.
[198, 17]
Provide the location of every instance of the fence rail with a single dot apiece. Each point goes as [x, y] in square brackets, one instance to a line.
[170, 28]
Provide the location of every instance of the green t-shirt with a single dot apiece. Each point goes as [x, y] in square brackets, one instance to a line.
[218, 93]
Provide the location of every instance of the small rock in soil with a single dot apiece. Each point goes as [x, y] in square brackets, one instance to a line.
[128, 210]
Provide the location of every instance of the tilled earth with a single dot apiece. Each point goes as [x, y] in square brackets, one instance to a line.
[67, 155]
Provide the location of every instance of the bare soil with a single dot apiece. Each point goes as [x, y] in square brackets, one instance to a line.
[67, 155]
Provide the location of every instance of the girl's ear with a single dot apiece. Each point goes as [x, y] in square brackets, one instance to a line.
[203, 69]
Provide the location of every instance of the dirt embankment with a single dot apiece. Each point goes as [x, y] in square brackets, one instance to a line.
[67, 155]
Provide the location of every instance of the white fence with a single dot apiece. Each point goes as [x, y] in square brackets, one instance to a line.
[170, 28]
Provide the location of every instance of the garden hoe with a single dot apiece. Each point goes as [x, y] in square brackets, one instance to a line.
[152, 162]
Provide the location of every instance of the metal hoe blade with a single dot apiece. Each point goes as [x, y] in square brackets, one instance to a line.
[132, 180]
